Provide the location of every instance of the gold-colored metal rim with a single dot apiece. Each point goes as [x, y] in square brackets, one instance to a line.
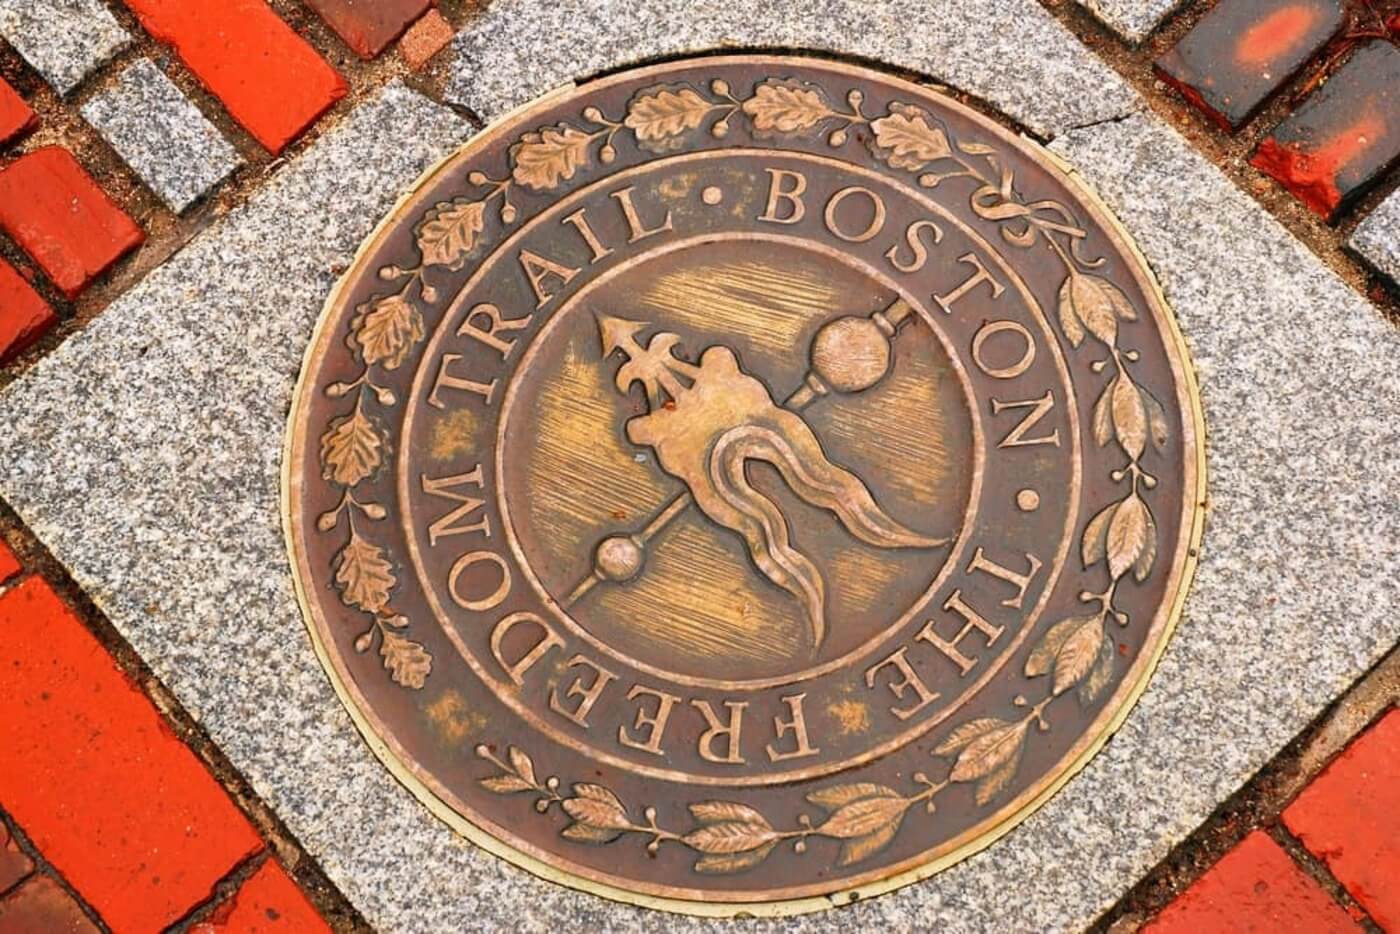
[976, 838]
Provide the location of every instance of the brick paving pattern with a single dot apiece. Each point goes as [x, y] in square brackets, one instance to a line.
[368, 26]
[24, 315]
[1349, 818]
[16, 117]
[1243, 51]
[271, 80]
[1344, 136]
[269, 902]
[60, 217]
[1255, 889]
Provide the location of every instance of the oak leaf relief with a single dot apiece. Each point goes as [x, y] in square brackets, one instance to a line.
[908, 138]
[387, 331]
[783, 108]
[660, 115]
[543, 158]
[363, 575]
[449, 232]
[409, 664]
[351, 449]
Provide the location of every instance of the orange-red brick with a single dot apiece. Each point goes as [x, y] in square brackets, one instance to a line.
[9, 564]
[58, 214]
[1349, 817]
[1256, 888]
[24, 317]
[269, 78]
[268, 903]
[121, 807]
[16, 117]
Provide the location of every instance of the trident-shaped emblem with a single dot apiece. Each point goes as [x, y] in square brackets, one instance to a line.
[706, 423]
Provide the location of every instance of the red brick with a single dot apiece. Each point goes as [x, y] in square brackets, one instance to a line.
[9, 564]
[24, 317]
[367, 26]
[40, 906]
[1242, 51]
[15, 865]
[122, 808]
[1345, 134]
[1349, 817]
[268, 903]
[58, 214]
[1256, 888]
[15, 115]
[425, 39]
[269, 78]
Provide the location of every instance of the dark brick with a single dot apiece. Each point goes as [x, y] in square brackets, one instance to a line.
[15, 866]
[367, 26]
[1344, 136]
[1243, 51]
[40, 906]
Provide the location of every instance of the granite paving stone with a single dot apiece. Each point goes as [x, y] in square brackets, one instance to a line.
[1134, 20]
[148, 449]
[160, 134]
[65, 40]
[1377, 238]
[519, 49]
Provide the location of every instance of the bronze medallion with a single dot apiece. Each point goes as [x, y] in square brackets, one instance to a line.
[743, 484]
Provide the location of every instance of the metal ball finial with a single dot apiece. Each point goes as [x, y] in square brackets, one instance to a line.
[618, 558]
[851, 354]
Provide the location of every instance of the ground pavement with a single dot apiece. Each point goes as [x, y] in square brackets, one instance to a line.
[180, 185]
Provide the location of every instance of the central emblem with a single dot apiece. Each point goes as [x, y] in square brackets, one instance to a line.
[709, 422]
[745, 484]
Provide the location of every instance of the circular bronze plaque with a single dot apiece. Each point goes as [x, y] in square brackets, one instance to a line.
[743, 484]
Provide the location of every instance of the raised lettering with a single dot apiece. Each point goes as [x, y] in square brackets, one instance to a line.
[989, 330]
[548, 640]
[972, 620]
[916, 246]
[911, 682]
[777, 194]
[538, 269]
[447, 525]
[489, 602]
[877, 212]
[654, 723]
[980, 562]
[981, 275]
[587, 693]
[496, 323]
[797, 726]
[446, 380]
[716, 729]
[1039, 408]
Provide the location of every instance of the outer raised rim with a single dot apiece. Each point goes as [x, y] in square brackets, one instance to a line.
[977, 838]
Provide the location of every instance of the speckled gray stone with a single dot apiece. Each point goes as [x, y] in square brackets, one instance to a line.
[1134, 20]
[145, 451]
[1011, 53]
[160, 134]
[1377, 238]
[65, 40]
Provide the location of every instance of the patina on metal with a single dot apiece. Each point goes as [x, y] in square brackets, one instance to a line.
[743, 484]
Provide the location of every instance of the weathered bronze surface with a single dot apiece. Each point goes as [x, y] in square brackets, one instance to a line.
[743, 484]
